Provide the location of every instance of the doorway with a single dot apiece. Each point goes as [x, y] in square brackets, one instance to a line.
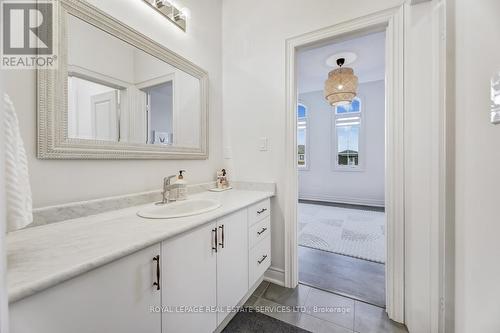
[391, 23]
[341, 163]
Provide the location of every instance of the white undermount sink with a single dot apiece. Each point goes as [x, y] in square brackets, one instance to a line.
[179, 209]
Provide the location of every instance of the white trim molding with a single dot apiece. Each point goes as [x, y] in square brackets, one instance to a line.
[442, 232]
[392, 20]
[275, 275]
[394, 169]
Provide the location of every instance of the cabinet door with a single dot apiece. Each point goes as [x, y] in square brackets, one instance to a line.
[116, 297]
[232, 261]
[189, 280]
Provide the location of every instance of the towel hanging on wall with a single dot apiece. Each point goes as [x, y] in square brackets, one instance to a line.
[4, 302]
[17, 186]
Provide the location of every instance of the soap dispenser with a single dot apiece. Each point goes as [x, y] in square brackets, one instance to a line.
[181, 186]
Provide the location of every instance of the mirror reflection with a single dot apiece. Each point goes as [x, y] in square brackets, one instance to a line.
[119, 93]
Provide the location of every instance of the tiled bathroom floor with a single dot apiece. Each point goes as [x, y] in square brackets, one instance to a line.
[320, 311]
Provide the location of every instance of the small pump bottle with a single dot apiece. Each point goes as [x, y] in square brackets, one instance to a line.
[181, 186]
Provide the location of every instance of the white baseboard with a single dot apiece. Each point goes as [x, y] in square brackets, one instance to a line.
[344, 200]
[275, 275]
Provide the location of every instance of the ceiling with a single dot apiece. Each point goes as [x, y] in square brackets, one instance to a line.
[369, 65]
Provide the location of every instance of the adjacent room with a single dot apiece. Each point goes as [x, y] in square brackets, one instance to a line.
[341, 162]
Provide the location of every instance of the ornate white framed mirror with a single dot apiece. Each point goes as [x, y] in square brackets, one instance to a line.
[116, 94]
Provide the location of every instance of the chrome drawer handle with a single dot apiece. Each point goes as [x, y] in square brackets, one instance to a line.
[214, 247]
[222, 228]
[262, 260]
[261, 211]
[261, 232]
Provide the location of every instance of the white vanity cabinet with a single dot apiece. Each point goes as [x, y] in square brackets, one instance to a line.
[189, 278]
[206, 270]
[232, 262]
[187, 283]
[259, 222]
[116, 297]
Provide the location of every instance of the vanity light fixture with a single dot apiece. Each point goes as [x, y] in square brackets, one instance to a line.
[341, 85]
[171, 11]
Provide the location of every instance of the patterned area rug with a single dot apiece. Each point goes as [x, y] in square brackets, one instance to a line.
[351, 232]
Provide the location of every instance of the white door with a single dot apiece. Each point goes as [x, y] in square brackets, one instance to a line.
[232, 261]
[189, 273]
[134, 125]
[116, 297]
[105, 116]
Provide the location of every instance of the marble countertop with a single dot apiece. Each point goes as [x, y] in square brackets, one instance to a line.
[44, 256]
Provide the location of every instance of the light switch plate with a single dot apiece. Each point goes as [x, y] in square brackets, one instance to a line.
[263, 143]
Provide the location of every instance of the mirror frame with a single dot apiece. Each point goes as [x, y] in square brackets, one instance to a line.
[52, 95]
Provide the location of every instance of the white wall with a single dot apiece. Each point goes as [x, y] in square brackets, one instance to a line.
[477, 168]
[56, 182]
[254, 107]
[92, 49]
[321, 181]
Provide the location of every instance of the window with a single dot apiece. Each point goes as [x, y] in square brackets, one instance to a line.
[302, 136]
[347, 138]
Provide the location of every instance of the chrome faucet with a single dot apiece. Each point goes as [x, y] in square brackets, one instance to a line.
[166, 190]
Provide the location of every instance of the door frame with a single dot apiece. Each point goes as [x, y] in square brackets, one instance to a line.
[392, 21]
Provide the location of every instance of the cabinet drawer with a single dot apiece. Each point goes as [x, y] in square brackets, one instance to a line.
[259, 260]
[259, 231]
[258, 211]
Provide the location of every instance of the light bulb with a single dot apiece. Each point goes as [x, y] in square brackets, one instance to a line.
[340, 87]
[185, 13]
[167, 3]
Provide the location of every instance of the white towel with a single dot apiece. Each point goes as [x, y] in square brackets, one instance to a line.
[17, 185]
[4, 306]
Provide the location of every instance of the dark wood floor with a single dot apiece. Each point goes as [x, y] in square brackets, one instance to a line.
[361, 279]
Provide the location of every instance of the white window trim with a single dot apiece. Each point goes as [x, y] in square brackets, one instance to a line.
[361, 141]
[306, 118]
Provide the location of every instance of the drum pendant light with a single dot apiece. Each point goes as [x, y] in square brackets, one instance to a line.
[341, 85]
